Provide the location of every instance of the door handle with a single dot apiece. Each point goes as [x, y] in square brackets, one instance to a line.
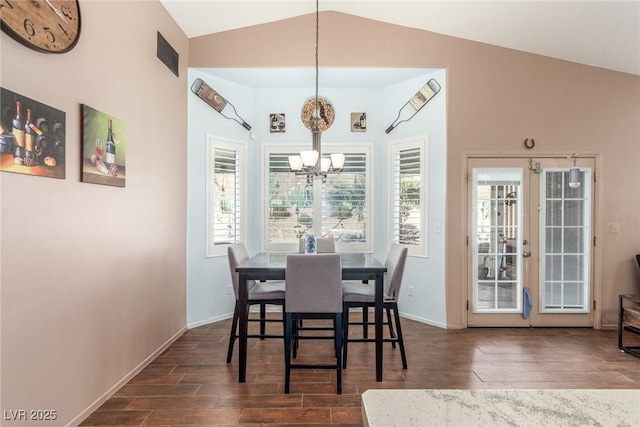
[526, 254]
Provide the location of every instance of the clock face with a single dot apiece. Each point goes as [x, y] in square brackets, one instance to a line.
[51, 26]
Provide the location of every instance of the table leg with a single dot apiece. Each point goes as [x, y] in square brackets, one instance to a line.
[379, 292]
[243, 295]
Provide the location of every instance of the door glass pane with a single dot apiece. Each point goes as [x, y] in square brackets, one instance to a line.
[497, 239]
[565, 235]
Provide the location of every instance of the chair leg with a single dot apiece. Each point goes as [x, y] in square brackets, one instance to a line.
[400, 339]
[263, 324]
[345, 330]
[232, 335]
[294, 337]
[365, 322]
[337, 328]
[288, 335]
[391, 333]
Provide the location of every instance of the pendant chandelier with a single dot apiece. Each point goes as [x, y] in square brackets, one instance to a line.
[317, 115]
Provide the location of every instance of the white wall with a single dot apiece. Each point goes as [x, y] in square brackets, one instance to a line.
[208, 278]
[426, 275]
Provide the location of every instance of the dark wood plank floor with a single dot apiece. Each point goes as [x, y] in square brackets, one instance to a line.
[190, 383]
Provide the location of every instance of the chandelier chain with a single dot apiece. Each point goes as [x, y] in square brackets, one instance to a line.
[317, 43]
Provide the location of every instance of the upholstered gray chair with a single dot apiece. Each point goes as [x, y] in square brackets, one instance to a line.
[260, 293]
[313, 291]
[362, 295]
[323, 245]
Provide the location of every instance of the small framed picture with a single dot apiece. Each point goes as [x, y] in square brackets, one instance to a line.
[277, 122]
[359, 122]
[103, 148]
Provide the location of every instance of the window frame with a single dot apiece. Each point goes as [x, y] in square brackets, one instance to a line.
[421, 143]
[213, 142]
[292, 246]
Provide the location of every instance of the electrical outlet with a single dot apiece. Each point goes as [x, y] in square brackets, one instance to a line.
[410, 291]
[229, 289]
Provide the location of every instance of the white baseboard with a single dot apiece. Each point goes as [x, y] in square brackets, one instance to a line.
[99, 401]
[209, 320]
[426, 321]
[254, 309]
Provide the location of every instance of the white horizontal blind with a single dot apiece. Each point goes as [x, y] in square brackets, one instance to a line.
[225, 207]
[290, 201]
[337, 206]
[408, 195]
[344, 206]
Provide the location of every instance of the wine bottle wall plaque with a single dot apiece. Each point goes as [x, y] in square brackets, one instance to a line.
[415, 104]
[217, 102]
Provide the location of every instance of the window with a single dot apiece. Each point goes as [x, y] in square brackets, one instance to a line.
[226, 191]
[408, 195]
[338, 206]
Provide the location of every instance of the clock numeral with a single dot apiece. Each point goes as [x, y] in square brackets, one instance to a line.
[29, 28]
[49, 35]
[7, 4]
[63, 30]
[66, 11]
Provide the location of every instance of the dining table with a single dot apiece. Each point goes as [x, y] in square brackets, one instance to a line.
[272, 266]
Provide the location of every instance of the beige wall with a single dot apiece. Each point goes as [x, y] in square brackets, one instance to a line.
[496, 98]
[93, 277]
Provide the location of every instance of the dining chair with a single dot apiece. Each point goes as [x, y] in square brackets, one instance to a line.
[323, 245]
[313, 291]
[362, 295]
[260, 293]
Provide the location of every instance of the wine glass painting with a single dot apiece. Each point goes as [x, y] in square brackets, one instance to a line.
[103, 148]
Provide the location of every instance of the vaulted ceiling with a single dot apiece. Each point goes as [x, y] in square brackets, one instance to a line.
[603, 34]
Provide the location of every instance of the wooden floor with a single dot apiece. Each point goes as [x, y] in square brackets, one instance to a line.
[190, 383]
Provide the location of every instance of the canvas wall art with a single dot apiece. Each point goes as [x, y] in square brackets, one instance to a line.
[32, 136]
[103, 148]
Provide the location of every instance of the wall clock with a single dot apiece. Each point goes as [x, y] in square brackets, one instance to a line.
[50, 26]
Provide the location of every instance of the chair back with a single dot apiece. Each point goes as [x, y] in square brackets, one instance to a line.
[396, 260]
[313, 284]
[238, 255]
[323, 245]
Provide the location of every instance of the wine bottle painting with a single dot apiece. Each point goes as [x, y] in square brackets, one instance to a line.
[32, 136]
[103, 148]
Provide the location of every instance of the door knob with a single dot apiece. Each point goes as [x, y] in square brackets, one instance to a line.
[526, 254]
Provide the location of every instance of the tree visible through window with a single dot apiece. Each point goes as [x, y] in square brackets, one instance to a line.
[337, 206]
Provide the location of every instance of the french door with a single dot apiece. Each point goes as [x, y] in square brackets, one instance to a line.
[530, 242]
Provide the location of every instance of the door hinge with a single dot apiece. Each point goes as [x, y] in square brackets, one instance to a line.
[594, 240]
[466, 177]
[594, 304]
[467, 305]
[467, 239]
[595, 176]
